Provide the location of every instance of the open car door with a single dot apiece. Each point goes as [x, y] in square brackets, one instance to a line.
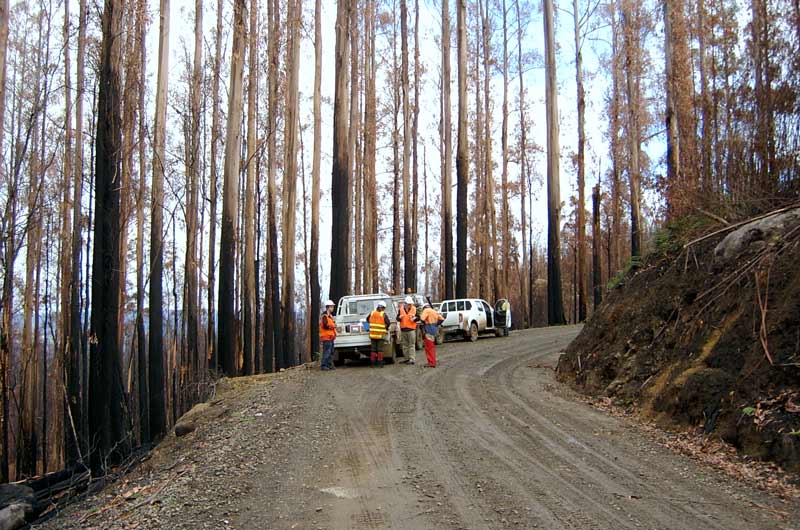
[501, 313]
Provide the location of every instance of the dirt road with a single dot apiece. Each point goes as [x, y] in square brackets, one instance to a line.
[487, 440]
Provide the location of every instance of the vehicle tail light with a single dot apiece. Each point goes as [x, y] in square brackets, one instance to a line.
[461, 318]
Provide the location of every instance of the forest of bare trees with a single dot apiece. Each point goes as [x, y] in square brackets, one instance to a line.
[182, 183]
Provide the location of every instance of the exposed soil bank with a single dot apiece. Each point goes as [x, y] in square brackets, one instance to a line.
[706, 334]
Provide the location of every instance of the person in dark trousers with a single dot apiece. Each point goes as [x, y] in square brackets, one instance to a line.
[327, 335]
[378, 328]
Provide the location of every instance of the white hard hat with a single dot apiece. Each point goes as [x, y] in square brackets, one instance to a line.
[329, 303]
[380, 303]
[409, 300]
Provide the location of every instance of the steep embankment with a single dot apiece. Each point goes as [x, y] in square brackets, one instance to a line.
[706, 334]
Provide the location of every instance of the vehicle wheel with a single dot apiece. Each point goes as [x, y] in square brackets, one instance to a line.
[418, 343]
[473, 332]
[439, 338]
[338, 362]
[498, 332]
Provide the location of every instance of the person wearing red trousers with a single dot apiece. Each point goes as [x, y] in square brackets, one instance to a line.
[430, 319]
[378, 328]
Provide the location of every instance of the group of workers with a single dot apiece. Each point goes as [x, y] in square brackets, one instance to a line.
[379, 324]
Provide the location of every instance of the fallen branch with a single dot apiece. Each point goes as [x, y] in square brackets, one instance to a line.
[762, 306]
[712, 216]
[740, 223]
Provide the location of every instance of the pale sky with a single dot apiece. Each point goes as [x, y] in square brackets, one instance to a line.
[430, 26]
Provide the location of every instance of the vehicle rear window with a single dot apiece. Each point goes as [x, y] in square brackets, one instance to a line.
[360, 307]
[468, 305]
[460, 305]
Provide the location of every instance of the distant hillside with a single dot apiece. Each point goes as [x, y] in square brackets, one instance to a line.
[706, 332]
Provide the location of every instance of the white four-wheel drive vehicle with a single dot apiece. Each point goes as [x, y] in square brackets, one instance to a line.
[468, 317]
[352, 340]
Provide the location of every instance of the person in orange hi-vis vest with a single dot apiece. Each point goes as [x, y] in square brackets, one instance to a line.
[378, 329]
[327, 335]
[407, 317]
[430, 320]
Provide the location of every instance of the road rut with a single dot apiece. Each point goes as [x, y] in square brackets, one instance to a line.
[486, 440]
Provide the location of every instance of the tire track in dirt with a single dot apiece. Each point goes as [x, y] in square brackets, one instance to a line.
[514, 463]
[599, 470]
[675, 488]
[589, 481]
[370, 471]
[427, 468]
[531, 447]
[483, 495]
[489, 440]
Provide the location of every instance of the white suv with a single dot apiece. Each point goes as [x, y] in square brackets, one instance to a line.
[468, 317]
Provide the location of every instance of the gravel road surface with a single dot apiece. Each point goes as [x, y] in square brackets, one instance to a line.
[487, 440]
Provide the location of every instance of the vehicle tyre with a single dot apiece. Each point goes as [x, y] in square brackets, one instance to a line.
[338, 362]
[418, 344]
[473, 332]
[498, 332]
[439, 337]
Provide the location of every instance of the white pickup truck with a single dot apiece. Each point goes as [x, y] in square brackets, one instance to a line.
[468, 317]
[352, 340]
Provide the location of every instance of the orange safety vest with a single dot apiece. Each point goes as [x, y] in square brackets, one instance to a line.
[327, 328]
[377, 325]
[431, 316]
[407, 317]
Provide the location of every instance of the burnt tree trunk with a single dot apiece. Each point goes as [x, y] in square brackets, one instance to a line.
[158, 410]
[462, 156]
[72, 362]
[212, 355]
[106, 397]
[227, 331]
[315, 174]
[555, 307]
[141, 336]
[273, 341]
[249, 257]
[447, 140]
[294, 21]
[340, 186]
[581, 217]
[597, 273]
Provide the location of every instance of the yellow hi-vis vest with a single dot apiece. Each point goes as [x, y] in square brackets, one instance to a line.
[377, 325]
